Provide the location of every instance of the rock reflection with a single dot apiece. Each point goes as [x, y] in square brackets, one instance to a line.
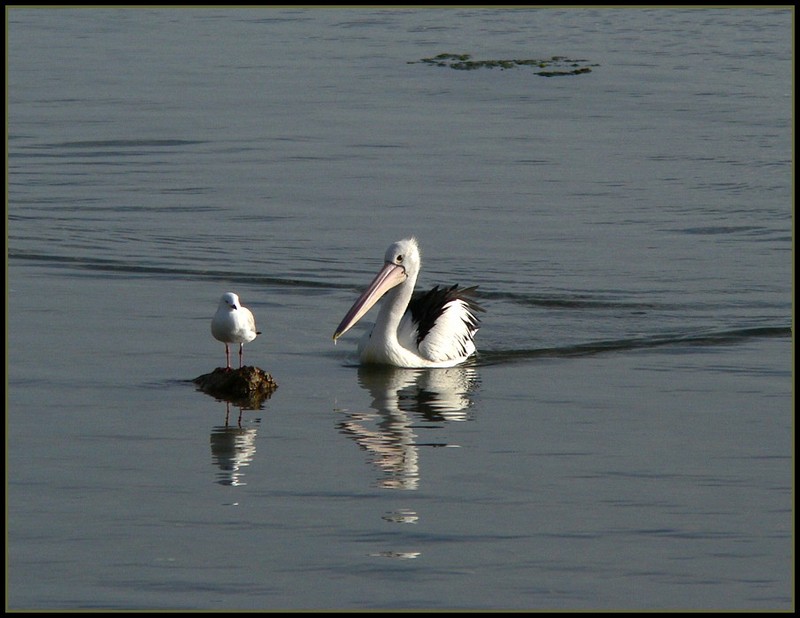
[232, 448]
[400, 398]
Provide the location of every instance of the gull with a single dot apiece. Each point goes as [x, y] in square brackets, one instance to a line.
[233, 323]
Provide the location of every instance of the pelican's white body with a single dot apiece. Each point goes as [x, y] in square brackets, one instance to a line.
[395, 338]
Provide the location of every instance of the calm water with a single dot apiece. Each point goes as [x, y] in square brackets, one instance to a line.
[624, 438]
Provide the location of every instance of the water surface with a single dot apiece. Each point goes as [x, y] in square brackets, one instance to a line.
[623, 439]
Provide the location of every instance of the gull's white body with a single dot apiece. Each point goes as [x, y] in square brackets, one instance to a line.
[233, 323]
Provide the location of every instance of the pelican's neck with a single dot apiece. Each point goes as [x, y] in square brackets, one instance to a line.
[393, 307]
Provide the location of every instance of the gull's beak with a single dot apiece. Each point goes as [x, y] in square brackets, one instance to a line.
[389, 276]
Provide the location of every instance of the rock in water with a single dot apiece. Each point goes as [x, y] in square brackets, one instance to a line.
[246, 387]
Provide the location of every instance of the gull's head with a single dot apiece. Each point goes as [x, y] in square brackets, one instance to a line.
[229, 300]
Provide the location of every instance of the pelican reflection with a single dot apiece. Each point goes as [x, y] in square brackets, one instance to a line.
[405, 401]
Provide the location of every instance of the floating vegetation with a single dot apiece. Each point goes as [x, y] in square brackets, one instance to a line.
[555, 65]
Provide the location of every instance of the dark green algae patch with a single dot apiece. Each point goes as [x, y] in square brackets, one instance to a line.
[550, 67]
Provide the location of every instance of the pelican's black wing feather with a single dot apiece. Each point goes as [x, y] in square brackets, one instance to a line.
[426, 307]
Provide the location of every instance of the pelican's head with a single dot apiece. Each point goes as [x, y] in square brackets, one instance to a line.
[401, 262]
[405, 253]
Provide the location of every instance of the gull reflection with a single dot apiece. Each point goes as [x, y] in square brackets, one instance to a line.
[232, 448]
[402, 516]
[400, 398]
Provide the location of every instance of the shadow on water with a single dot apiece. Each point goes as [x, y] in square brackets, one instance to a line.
[688, 340]
[121, 267]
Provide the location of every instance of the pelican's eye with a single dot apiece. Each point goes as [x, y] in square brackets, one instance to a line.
[399, 259]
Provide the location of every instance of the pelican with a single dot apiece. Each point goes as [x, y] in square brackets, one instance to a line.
[426, 329]
[233, 323]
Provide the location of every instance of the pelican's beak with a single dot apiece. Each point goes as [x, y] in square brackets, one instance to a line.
[389, 276]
